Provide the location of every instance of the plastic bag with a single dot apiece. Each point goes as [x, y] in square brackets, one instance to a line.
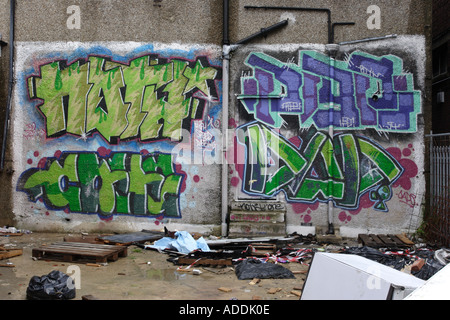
[183, 243]
[54, 286]
[252, 268]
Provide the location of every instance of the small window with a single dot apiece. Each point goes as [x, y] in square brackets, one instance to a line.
[440, 60]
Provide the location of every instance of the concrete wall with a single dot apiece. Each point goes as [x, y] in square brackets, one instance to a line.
[282, 89]
[116, 120]
[115, 104]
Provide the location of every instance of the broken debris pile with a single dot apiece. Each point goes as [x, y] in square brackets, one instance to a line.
[431, 261]
[12, 231]
[251, 258]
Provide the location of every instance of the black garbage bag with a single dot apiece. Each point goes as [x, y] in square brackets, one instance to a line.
[54, 286]
[396, 262]
[429, 269]
[252, 268]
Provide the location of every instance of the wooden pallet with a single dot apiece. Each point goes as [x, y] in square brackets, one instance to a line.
[385, 240]
[79, 251]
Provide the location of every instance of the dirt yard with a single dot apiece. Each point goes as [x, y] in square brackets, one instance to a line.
[141, 275]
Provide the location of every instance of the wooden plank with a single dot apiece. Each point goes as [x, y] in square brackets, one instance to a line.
[205, 261]
[405, 239]
[6, 265]
[261, 249]
[9, 253]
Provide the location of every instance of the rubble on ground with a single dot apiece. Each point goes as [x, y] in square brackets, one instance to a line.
[254, 258]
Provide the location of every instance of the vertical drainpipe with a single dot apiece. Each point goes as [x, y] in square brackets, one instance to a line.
[332, 51]
[10, 84]
[225, 105]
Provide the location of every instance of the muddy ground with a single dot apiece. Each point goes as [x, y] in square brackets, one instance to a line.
[142, 275]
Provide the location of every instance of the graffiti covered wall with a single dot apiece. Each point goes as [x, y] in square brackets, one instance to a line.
[313, 129]
[130, 134]
[100, 130]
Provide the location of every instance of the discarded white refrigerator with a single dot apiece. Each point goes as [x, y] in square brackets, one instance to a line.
[335, 276]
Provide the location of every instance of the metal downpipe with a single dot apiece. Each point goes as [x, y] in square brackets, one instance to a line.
[11, 82]
[225, 106]
[332, 51]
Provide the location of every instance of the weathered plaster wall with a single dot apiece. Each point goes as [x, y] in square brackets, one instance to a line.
[370, 165]
[115, 135]
[116, 119]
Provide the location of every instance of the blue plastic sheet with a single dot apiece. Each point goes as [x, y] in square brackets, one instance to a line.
[183, 243]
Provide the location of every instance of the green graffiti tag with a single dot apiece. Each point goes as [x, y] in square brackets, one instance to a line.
[342, 169]
[122, 183]
[149, 98]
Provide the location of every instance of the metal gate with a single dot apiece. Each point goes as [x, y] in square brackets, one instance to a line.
[438, 218]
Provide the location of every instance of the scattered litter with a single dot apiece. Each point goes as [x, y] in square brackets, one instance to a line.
[209, 258]
[296, 292]
[443, 256]
[253, 268]
[7, 265]
[12, 231]
[400, 259]
[196, 272]
[88, 297]
[274, 290]
[225, 289]
[429, 269]
[93, 265]
[218, 271]
[188, 267]
[183, 243]
[54, 286]
[254, 281]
